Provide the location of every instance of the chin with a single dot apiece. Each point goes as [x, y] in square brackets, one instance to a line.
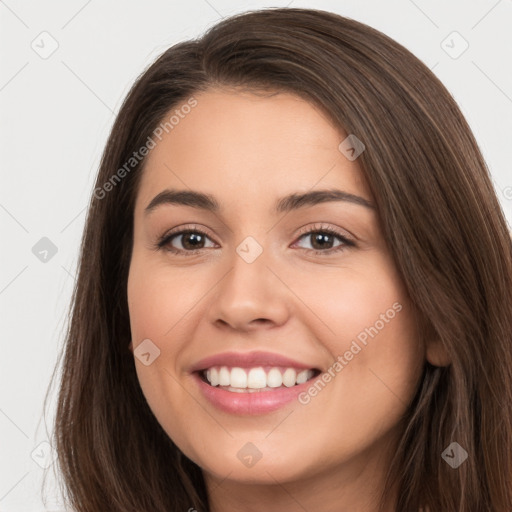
[265, 468]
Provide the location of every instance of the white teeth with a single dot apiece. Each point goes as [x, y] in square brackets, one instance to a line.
[274, 378]
[224, 377]
[257, 378]
[289, 377]
[302, 377]
[239, 379]
[214, 376]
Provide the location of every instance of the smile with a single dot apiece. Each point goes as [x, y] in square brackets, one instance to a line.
[251, 383]
[250, 380]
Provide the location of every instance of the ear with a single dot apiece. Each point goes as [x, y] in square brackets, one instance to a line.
[436, 353]
[130, 346]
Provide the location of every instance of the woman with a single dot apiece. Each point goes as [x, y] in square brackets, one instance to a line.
[295, 286]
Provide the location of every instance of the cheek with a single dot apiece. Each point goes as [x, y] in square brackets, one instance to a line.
[374, 341]
[360, 302]
[151, 313]
[160, 298]
[161, 309]
[148, 300]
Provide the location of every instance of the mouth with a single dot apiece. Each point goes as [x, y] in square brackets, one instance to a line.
[256, 379]
[251, 383]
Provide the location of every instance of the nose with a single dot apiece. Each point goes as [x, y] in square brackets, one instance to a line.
[250, 296]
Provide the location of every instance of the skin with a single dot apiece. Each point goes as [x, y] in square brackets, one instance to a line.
[330, 454]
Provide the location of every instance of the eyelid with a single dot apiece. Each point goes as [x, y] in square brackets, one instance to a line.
[325, 226]
[186, 228]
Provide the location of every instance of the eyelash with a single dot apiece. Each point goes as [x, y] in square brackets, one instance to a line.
[166, 238]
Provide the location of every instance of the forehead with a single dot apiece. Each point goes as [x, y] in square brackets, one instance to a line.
[237, 144]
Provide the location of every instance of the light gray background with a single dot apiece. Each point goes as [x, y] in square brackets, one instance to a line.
[56, 113]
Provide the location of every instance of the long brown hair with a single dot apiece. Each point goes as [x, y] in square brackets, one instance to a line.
[440, 216]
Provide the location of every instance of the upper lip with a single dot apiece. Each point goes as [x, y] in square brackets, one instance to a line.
[248, 360]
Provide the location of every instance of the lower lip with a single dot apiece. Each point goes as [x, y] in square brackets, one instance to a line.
[258, 402]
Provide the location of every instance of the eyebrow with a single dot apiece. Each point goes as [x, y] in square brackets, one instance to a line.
[288, 203]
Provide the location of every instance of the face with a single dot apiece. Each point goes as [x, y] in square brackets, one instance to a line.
[291, 308]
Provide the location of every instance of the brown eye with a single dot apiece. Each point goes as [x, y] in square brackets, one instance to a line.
[325, 240]
[191, 241]
[185, 241]
[321, 241]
